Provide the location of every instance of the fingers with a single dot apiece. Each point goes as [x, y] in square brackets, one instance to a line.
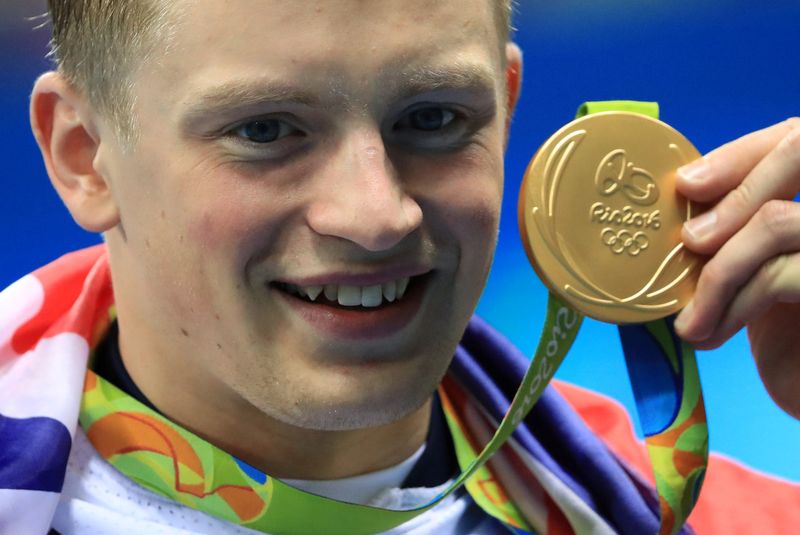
[719, 307]
[778, 281]
[776, 175]
[721, 170]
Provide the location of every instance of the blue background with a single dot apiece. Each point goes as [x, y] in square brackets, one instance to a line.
[720, 69]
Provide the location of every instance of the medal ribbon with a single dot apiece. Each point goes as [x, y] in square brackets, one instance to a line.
[171, 461]
[666, 386]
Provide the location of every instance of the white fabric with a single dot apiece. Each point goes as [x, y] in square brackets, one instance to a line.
[59, 362]
[360, 489]
[15, 506]
[581, 517]
[18, 304]
[99, 500]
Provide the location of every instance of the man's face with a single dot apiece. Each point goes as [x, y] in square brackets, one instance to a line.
[342, 149]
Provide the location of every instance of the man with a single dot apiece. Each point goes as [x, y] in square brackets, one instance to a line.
[300, 203]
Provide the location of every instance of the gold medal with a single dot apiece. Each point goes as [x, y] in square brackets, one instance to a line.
[601, 219]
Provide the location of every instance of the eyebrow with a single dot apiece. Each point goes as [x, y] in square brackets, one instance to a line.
[460, 76]
[405, 82]
[244, 94]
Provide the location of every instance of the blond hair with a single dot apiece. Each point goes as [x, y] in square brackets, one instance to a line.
[99, 44]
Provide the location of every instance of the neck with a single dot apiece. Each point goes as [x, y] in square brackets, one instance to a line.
[214, 412]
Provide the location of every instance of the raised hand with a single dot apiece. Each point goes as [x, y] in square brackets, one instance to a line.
[751, 234]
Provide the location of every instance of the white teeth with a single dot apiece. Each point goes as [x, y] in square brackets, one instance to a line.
[402, 285]
[312, 291]
[331, 292]
[372, 296]
[349, 296]
[390, 291]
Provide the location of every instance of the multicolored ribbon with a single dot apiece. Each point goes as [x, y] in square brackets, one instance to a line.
[53, 318]
[171, 461]
[666, 387]
[669, 400]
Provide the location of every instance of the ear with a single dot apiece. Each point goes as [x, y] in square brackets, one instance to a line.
[65, 129]
[513, 81]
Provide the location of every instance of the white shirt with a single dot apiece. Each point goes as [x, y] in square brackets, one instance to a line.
[99, 500]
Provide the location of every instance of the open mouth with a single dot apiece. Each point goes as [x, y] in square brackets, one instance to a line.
[358, 312]
[353, 297]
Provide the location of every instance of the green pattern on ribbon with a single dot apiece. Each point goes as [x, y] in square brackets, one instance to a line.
[173, 462]
[669, 398]
[679, 453]
[561, 327]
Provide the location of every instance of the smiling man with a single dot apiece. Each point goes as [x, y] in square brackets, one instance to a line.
[257, 181]
[300, 202]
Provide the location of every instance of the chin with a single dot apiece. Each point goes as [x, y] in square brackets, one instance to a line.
[353, 418]
[367, 389]
[351, 410]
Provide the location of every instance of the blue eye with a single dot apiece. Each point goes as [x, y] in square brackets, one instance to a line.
[430, 119]
[263, 131]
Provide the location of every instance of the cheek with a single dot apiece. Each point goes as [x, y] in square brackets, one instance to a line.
[231, 205]
[473, 219]
[232, 217]
[466, 196]
[213, 227]
[215, 208]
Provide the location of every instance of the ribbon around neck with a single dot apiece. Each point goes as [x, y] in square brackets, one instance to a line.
[666, 386]
[114, 421]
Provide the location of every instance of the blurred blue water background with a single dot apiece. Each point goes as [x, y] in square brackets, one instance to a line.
[719, 68]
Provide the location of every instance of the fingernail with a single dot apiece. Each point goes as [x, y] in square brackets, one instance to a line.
[682, 321]
[697, 171]
[702, 225]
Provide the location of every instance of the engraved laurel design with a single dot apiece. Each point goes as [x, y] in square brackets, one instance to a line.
[647, 297]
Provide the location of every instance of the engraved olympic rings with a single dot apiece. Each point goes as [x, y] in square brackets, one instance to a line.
[625, 242]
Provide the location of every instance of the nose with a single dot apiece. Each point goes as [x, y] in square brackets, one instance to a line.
[360, 198]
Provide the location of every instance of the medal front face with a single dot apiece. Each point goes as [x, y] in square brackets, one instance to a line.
[601, 219]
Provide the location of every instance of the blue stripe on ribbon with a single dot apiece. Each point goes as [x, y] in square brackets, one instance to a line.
[656, 384]
[33, 453]
[253, 473]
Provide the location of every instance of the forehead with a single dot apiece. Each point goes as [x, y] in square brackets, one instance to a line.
[340, 18]
[338, 43]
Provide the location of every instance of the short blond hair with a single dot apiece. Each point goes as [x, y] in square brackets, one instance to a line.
[98, 45]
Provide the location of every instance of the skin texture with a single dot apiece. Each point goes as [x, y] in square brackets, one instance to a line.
[752, 238]
[200, 222]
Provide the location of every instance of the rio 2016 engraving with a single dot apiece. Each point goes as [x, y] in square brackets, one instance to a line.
[615, 173]
[625, 242]
[625, 217]
[558, 339]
